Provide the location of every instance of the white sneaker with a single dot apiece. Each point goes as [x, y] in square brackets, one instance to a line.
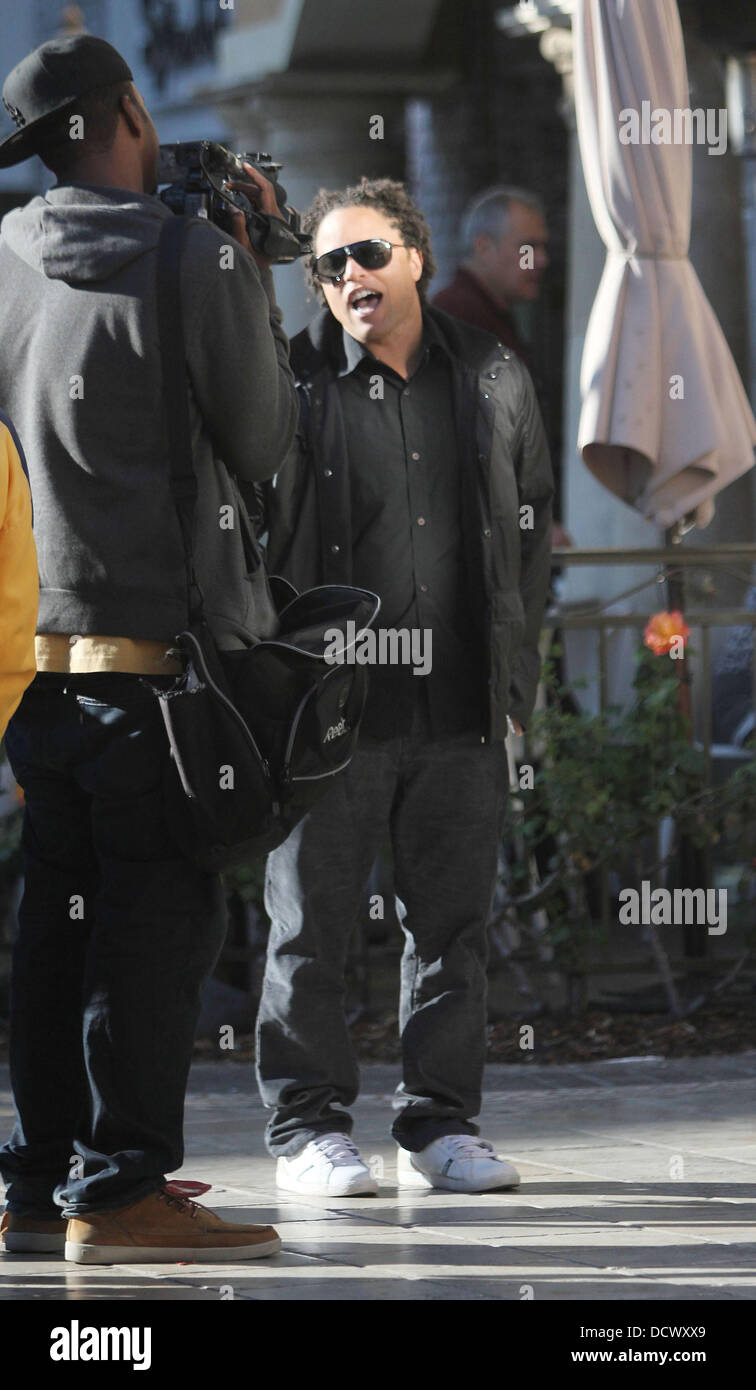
[456, 1163]
[330, 1166]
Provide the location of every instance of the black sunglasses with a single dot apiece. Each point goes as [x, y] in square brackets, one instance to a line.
[371, 255]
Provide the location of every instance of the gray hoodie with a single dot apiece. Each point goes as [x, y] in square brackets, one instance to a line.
[80, 374]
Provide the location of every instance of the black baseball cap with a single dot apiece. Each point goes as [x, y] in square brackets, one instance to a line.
[50, 79]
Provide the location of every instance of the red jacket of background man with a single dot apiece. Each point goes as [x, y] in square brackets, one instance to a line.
[466, 299]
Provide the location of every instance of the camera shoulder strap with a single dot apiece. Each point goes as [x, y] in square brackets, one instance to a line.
[183, 478]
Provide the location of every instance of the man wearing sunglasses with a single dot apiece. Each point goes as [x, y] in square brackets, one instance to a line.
[421, 472]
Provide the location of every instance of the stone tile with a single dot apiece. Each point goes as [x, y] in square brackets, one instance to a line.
[266, 1207]
[224, 1284]
[615, 1288]
[371, 1262]
[270, 1206]
[279, 1265]
[123, 1290]
[326, 1288]
[717, 1233]
[643, 1162]
[703, 1218]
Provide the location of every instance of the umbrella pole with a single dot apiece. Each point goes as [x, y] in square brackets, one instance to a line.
[691, 863]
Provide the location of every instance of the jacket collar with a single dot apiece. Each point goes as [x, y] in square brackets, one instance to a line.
[353, 353]
[320, 346]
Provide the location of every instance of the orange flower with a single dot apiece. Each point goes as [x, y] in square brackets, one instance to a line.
[663, 629]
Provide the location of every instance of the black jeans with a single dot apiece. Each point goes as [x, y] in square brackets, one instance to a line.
[117, 933]
[443, 802]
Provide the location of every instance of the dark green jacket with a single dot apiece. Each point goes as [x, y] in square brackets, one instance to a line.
[306, 510]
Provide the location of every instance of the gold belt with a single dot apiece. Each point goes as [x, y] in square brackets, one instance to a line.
[79, 655]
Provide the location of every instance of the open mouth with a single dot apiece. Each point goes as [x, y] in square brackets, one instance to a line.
[363, 302]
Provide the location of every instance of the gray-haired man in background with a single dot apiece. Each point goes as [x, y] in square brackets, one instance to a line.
[504, 238]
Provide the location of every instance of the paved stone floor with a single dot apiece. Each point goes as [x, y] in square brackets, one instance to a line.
[638, 1182]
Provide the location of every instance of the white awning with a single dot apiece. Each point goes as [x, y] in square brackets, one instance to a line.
[665, 421]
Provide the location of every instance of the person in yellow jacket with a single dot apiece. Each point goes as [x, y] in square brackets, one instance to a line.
[19, 584]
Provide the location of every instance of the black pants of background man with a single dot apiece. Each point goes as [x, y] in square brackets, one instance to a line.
[117, 934]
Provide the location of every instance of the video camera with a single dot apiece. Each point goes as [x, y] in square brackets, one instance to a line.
[198, 172]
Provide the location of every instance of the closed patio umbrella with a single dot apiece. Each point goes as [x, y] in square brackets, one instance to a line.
[665, 421]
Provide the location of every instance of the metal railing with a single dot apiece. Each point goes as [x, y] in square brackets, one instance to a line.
[672, 564]
[669, 561]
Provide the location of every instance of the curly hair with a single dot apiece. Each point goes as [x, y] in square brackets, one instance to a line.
[390, 198]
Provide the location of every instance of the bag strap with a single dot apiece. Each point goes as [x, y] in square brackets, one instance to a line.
[183, 478]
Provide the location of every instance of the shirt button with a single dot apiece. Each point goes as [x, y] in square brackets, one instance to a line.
[406, 391]
[335, 549]
[327, 472]
[423, 588]
[421, 521]
[487, 533]
[416, 455]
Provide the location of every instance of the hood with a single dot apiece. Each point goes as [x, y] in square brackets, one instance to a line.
[77, 233]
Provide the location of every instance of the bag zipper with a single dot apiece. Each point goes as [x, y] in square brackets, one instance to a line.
[200, 661]
[303, 777]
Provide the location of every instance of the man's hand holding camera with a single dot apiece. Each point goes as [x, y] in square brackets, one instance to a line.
[261, 194]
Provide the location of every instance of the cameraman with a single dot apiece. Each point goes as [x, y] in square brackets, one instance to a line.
[117, 930]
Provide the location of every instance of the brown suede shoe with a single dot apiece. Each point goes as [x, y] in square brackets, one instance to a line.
[24, 1235]
[165, 1227]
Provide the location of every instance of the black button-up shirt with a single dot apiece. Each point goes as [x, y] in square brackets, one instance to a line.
[406, 535]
